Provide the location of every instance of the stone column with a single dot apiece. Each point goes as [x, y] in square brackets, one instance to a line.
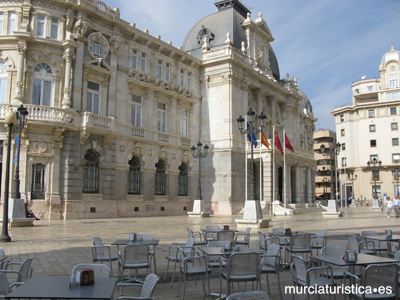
[19, 93]
[69, 57]
[309, 199]
[298, 179]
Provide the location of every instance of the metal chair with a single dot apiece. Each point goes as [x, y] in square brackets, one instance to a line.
[353, 243]
[152, 248]
[270, 263]
[192, 264]
[392, 247]
[24, 271]
[215, 261]
[338, 272]
[136, 257]
[5, 286]
[245, 235]
[102, 253]
[240, 267]
[226, 235]
[99, 270]
[378, 247]
[299, 244]
[198, 236]
[147, 288]
[211, 232]
[173, 254]
[249, 296]
[375, 277]
[304, 275]
[319, 240]
[261, 241]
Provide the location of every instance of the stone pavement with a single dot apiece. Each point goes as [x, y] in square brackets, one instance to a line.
[59, 245]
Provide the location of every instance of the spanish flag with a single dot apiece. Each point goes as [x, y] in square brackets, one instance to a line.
[264, 140]
[278, 143]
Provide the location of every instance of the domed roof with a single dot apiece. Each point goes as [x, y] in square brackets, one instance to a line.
[214, 27]
[305, 104]
[390, 55]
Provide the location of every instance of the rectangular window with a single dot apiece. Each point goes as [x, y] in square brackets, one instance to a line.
[184, 123]
[394, 126]
[341, 118]
[143, 62]
[371, 113]
[189, 80]
[159, 69]
[41, 94]
[344, 160]
[344, 146]
[41, 20]
[372, 143]
[1, 23]
[134, 59]
[396, 158]
[11, 22]
[162, 117]
[182, 79]
[395, 141]
[93, 97]
[393, 111]
[370, 88]
[393, 80]
[372, 128]
[3, 90]
[167, 72]
[54, 28]
[136, 111]
[342, 132]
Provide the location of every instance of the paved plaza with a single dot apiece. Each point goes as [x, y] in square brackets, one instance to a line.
[57, 246]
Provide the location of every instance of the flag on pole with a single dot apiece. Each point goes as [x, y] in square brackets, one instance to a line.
[278, 143]
[264, 140]
[16, 142]
[288, 144]
[254, 136]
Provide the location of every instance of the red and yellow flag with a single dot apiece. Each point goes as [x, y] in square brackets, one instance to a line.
[278, 143]
[288, 144]
[264, 140]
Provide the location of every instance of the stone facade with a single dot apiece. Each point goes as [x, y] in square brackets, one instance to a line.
[114, 111]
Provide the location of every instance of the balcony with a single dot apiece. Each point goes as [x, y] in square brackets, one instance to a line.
[97, 124]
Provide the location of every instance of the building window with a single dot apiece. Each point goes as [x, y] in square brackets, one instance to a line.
[396, 158]
[134, 59]
[344, 161]
[54, 28]
[357, 91]
[393, 80]
[341, 118]
[143, 62]
[373, 143]
[189, 80]
[37, 186]
[393, 111]
[370, 88]
[43, 30]
[371, 113]
[342, 132]
[3, 81]
[162, 117]
[167, 72]
[97, 50]
[40, 26]
[343, 146]
[134, 176]
[11, 22]
[1, 23]
[184, 114]
[160, 178]
[394, 126]
[93, 97]
[182, 78]
[372, 128]
[91, 173]
[159, 69]
[182, 180]
[395, 142]
[136, 111]
[42, 84]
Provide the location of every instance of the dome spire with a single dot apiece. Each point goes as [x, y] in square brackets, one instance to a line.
[235, 4]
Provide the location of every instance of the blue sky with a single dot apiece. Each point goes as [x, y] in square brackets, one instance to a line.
[326, 44]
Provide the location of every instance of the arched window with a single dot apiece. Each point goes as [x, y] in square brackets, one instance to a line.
[160, 178]
[42, 84]
[182, 180]
[37, 187]
[134, 176]
[3, 81]
[91, 173]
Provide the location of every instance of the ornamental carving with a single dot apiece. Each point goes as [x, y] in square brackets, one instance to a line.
[98, 39]
[81, 28]
[115, 42]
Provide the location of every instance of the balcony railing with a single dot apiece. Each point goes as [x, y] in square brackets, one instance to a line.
[97, 121]
[41, 113]
[138, 132]
[163, 137]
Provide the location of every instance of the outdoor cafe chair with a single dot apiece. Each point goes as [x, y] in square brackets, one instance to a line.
[378, 247]
[258, 295]
[270, 263]
[392, 247]
[305, 275]
[353, 243]
[261, 241]
[5, 286]
[299, 244]
[99, 270]
[338, 271]
[102, 253]
[152, 249]
[172, 255]
[136, 257]
[198, 236]
[374, 277]
[3, 260]
[226, 235]
[210, 232]
[147, 288]
[213, 260]
[319, 240]
[243, 237]
[24, 271]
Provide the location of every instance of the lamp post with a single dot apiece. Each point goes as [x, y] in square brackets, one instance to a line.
[9, 120]
[336, 153]
[352, 177]
[395, 174]
[344, 165]
[322, 173]
[197, 153]
[19, 125]
[374, 169]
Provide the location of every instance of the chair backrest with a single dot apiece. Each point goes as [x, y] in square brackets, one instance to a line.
[98, 246]
[4, 284]
[190, 233]
[261, 240]
[300, 241]
[240, 264]
[26, 270]
[149, 284]
[352, 242]
[189, 243]
[216, 244]
[226, 235]
[97, 241]
[271, 256]
[368, 233]
[249, 296]
[138, 253]
[247, 234]
[145, 236]
[212, 228]
[387, 275]
[300, 267]
[397, 256]
[99, 270]
[333, 250]
[320, 238]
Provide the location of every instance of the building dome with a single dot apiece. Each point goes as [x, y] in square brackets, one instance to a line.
[390, 55]
[214, 28]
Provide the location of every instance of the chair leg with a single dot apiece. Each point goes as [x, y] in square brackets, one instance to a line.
[279, 286]
[166, 273]
[179, 283]
[269, 291]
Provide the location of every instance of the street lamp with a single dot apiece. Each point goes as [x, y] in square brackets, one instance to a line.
[322, 173]
[199, 154]
[22, 113]
[250, 131]
[352, 177]
[336, 153]
[395, 174]
[374, 169]
[9, 120]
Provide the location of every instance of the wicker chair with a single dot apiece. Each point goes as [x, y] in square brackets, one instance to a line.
[249, 296]
[375, 277]
[270, 263]
[245, 237]
[99, 270]
[147, 288]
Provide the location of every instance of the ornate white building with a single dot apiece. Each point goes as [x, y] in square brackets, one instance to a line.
[368, 131]
[114, 111]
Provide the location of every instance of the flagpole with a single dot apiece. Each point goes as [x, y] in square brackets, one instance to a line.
[261, 186]
[245, 163]
[284, 167]
[273, 170]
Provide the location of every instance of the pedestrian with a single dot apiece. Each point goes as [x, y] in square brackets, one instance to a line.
[389, 205]
[29, 213]
[396, 203]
